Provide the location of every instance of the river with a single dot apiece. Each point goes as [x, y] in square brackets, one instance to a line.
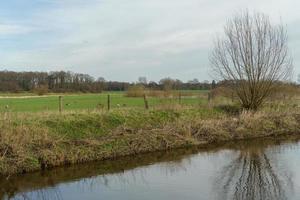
[257, 169]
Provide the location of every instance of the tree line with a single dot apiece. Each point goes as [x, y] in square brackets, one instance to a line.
[66, 81]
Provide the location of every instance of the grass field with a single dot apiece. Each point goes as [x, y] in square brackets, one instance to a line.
[28, 102]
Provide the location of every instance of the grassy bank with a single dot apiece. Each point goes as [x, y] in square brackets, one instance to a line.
[61, 175]
[30, 142]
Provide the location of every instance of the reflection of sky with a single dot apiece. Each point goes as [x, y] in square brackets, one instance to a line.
[161, 181]
[191, 178]
[290, 159]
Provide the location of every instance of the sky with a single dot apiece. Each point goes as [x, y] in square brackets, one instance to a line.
[125, 39]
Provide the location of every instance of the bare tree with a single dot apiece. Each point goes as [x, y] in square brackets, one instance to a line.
[142, 80]
[167, 83]
[253, 55]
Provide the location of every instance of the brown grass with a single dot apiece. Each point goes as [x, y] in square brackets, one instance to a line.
[45, 140]
[139, 91]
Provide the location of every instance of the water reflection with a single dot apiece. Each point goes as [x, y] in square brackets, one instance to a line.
[253, 174]
[42, 194]
[44, 184]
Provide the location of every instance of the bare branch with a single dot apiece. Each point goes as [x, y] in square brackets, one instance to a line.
[253, 54]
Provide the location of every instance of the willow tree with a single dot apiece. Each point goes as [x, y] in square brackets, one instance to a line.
[253, 56]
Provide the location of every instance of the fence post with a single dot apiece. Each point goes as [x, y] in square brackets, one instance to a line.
[146, 102]
[108, 102]
[199, 99]
[209, 98]
[60, 104]
[179, 97]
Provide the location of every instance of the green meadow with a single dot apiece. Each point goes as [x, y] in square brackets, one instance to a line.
[28, 102]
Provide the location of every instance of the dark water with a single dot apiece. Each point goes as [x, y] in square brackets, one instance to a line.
[260, 169]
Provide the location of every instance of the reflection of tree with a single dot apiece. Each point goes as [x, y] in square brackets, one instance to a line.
[251, 175]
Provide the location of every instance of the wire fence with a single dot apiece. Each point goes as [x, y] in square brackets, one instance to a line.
[105, 101]
[115, 100]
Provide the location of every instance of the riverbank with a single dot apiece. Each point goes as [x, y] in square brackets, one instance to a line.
[40, 181]
[31, 142]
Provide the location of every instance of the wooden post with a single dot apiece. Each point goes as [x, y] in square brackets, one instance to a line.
[199, 100]
[209, 98]
[146, 102]
[60, 104]
[179, 97]
[108, 102]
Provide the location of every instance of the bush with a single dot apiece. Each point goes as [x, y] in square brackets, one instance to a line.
[230, 109]
[41, 90]
[135, 91]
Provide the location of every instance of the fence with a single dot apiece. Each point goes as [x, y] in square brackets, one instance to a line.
[105, 101]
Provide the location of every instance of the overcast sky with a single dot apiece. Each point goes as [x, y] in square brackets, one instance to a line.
[125, 39]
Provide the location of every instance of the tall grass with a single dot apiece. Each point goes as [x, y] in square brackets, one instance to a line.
[33, 141]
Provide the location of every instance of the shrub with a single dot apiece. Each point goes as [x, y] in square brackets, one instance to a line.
[41, 90]
[230, 109]
[135, 91]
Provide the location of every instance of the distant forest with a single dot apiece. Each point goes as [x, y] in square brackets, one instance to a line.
[62, 81]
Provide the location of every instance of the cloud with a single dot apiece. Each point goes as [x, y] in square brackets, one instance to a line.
[14, 29]
[123, 39]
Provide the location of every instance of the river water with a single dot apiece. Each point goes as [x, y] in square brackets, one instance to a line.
[258, 169]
